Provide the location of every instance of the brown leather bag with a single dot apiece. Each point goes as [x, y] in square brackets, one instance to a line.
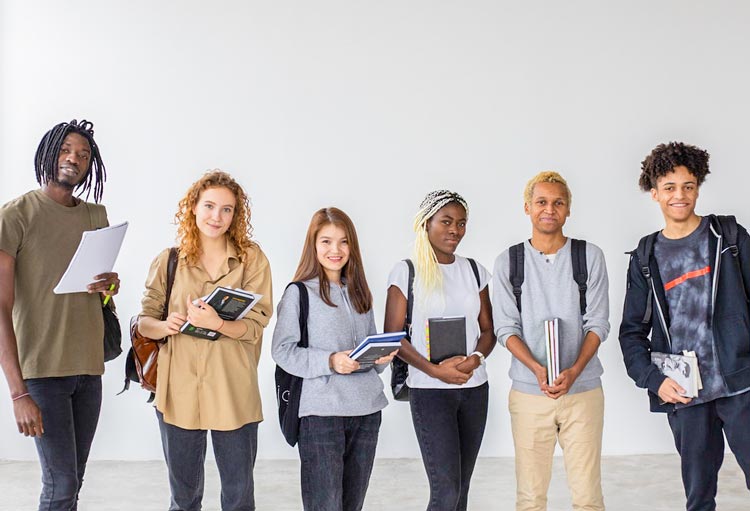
[141, 364]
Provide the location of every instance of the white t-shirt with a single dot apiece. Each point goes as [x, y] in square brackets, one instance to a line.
[461, 298]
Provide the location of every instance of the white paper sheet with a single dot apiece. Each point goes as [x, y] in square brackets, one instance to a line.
[96, 254]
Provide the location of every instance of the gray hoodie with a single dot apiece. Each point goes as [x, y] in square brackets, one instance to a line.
[549, 291]
[330, 329]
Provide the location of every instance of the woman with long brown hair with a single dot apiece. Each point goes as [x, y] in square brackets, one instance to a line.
[339, 408]
[209, 384]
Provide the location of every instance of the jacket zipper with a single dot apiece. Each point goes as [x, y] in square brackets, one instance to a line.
[661, 315]
[717, 266]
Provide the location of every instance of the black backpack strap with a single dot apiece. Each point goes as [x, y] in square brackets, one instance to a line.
[475, 269]
[580, 270]
[728, 224]
[644, 252]
[409, 299]
[171, 271]
[516, 271]
[304, 311]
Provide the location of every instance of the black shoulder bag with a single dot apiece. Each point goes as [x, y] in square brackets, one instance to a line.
[288, 386]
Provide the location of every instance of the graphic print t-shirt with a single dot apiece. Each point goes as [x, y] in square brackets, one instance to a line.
[685, 269]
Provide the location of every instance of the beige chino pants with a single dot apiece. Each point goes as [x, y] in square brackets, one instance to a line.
[576, 421]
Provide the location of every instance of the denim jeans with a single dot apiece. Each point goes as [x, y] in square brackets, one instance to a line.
[449, 424]
[185, 454]
[70, 412]
[337, 454]
[699, 437]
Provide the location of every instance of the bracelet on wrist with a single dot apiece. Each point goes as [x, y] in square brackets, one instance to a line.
[222, 324]
[16, 398]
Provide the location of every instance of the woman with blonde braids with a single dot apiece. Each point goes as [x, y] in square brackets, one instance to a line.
[448, 399]
[209, 385]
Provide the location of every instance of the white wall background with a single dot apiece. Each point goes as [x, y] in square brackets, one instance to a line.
[368, 106]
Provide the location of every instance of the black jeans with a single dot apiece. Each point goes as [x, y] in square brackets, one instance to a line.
[70, 408]
[449, 424]
[185, 453]
[699, 437]
[337, 454]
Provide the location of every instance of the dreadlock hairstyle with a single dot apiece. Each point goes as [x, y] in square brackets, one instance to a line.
[48, 152]
[547, 176]
[425, 261]
[665, 157]
[353, 271]
[240, 230]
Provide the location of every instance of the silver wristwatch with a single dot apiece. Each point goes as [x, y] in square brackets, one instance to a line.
[480, 355]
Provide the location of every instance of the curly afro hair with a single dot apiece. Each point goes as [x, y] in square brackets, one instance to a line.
[665, 157]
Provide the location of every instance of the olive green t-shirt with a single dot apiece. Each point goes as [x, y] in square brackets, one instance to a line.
[57, 335]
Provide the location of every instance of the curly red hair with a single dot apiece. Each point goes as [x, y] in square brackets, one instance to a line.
[239, 232]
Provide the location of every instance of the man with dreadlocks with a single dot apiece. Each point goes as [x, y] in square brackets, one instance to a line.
[51, 348]
[551, 276]
[687, 289]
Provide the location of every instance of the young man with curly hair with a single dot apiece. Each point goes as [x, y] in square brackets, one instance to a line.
[687, 290]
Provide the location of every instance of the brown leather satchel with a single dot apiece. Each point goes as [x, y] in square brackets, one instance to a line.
[142, 358]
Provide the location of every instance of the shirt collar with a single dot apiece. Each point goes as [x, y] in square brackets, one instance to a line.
[231, 261]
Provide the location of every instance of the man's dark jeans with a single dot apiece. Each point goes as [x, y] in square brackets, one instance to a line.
[70, 408]
[450, 425]
[699, 437]
[337, 454]
[185, 453]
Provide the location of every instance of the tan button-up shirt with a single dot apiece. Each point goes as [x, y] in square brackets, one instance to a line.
[204, 384]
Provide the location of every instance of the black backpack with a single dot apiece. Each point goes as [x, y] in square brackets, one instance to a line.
[399, 368]
[288, 386]
[645, 249]
[580, 270]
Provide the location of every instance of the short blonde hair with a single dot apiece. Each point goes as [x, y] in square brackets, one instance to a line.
[547, 176]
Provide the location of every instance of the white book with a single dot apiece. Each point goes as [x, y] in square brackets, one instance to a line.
[681, 368]
[552, 347]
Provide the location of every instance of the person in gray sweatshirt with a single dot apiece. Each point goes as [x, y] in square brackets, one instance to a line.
[339, 408]
[570, 408]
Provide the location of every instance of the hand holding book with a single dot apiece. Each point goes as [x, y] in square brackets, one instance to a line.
[341, 363]
[562, 383]
[448, 372]
[202, 315]
[671, 392]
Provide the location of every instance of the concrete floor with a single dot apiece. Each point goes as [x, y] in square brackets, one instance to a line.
[631, 483]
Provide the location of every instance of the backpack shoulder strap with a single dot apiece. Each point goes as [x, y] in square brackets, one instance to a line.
[580, 270]
[171, 271]
[97, 215]
[516, 274]
[728, 224]
[409, 299]
[644, 252]
[475, 269]
[304, 311]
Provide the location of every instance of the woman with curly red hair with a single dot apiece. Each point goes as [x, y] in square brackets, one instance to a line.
[209, 385]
